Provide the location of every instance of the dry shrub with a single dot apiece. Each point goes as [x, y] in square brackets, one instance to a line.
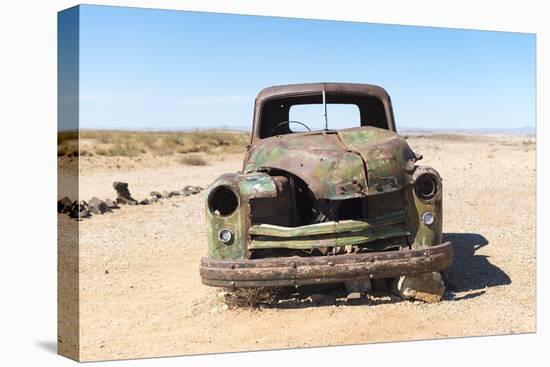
[174, 139]
[122, 149]
[193, 160]
[148, 140]
[67, 146]
[250, 297]
[132, 143]
[65, 136]
[193, 149]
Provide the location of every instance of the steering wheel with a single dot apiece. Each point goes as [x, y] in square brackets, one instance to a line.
[288, 123]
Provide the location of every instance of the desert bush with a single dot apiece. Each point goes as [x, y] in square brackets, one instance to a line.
[65, 136]
[250, 297]
[132, 143]
[193, 160]
[122, 149]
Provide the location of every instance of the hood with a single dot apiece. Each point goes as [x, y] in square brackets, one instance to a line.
[339, 165]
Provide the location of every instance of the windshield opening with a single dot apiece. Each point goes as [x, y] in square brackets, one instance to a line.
[339, 116]
[306, 112]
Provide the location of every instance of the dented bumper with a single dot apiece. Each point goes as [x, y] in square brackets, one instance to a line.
[291, 271]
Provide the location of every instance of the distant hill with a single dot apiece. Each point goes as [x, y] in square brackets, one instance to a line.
[410, 130]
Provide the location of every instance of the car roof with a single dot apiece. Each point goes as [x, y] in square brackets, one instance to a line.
[290, 90]
[310, 88]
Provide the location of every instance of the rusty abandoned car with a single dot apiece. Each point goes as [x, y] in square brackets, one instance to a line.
[324, 204]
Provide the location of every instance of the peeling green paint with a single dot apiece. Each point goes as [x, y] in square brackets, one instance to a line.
[327, 228]
[388, 157]
[320, 160]
[340, 240]
[327, 161]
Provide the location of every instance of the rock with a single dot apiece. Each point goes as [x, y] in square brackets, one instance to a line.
[79, 210]
[123, 193]
[165, 194]
[153, 199]
[156, 194]
[358, 285]
[427, 287]
[192, 189]
[122, 189]
[98, 206]
[124, 201]
[111, 204]
[354, 297]
[64, 205]
[145, 202]
[174, 193]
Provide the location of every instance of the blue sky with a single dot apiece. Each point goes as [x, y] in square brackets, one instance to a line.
[161, 69]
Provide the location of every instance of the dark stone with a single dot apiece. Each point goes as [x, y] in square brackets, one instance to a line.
[124, 201]
[174, 193]
[79, 210]
[191, 190]
[64, 205]
[111, 204]
[145, 202]
[156, 194]
[123, 193]
[98, 206]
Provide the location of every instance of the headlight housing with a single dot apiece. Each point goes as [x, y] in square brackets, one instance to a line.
[223, 201]
[427, 187]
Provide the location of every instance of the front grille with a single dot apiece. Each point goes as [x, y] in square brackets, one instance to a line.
[373, 223]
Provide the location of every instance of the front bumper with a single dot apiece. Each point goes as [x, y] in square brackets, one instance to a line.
[293, 271]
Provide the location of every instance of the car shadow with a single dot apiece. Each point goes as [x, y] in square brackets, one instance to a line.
[471, 272]
[468, 277]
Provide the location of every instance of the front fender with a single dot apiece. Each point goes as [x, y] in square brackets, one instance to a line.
[244, 187]
[423, 235]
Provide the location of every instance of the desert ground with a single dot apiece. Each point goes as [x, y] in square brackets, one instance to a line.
[141, 293]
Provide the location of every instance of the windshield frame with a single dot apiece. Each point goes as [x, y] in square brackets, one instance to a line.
[364, 102]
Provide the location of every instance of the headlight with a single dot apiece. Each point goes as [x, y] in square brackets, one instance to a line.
[226, 236]
[428, 218]
[223, 201]
[427, 187]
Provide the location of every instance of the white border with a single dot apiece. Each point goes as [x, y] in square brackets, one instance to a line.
[28, 183]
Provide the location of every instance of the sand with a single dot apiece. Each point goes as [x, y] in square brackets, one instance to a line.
[141, 294]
